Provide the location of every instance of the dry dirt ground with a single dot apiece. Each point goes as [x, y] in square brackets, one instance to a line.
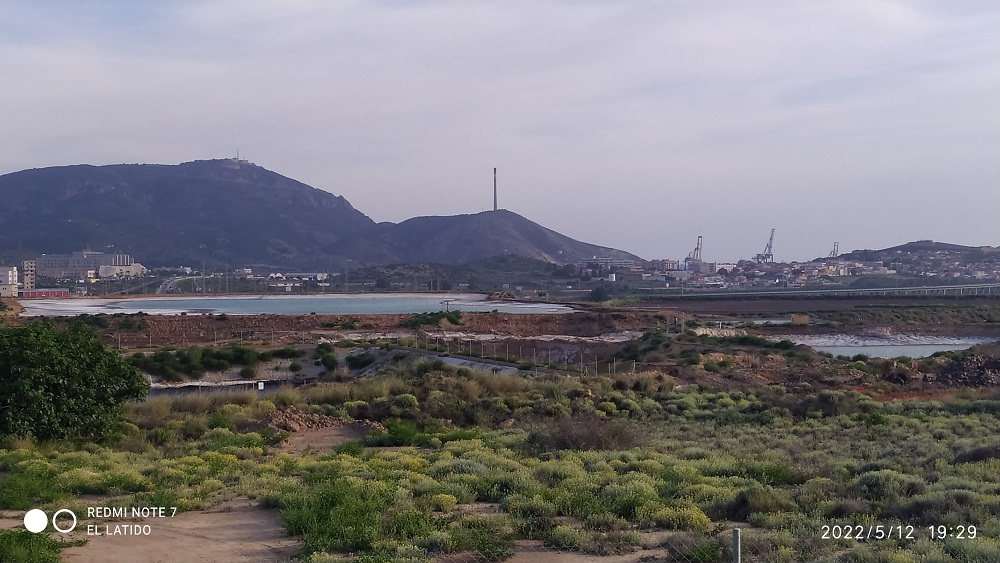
[236, 531]
[316, 432]
[322, 439]
[283, 330]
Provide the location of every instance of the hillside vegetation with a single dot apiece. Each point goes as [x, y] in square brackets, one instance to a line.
[224, 211]
[590, 464]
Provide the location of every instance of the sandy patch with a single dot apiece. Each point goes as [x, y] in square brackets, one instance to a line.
[322, 439]
[11, 519]
[479, 508]
[237, 532]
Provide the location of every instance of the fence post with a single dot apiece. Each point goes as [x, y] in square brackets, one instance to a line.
[736, 546]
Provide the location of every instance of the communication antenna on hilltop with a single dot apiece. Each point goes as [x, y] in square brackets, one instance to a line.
[494, 188]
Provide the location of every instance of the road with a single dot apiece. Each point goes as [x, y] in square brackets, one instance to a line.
[171, 284]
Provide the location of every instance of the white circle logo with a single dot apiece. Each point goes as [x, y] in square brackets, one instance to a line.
[35, 520]
[56, 515]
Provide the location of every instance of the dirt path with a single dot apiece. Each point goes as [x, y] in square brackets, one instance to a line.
[322, 439]
[237, 531]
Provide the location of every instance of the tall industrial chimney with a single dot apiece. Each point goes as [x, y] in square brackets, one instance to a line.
[494, 188]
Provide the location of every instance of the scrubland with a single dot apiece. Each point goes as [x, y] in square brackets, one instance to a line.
[474, 463]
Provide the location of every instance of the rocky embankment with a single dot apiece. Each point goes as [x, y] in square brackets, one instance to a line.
[972, 371]
[292, 419]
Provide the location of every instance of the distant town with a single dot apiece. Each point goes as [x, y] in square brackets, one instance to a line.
[922, 263]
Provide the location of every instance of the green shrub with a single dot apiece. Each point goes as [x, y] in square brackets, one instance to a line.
[29, 485]
[886, 485]
[707, 551]
[526, 507]
[759, 498]
[441, 502]
[436, 542]
[565, 537]
[408, 524]
[287, 353]
[490, 538]
[681, 518]
[22, 546]
[344, 514]
[358, 361]
[626, 498]
[351, 447]
[329, 362]
[404, 402]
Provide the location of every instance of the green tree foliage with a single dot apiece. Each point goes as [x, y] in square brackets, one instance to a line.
[61, 384]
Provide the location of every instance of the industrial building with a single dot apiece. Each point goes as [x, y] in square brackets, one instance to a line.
[87, 264]
[607, 262]
[49, 293]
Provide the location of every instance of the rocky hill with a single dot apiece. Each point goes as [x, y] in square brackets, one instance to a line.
[459, 239]
[928, 250]
[237, 213]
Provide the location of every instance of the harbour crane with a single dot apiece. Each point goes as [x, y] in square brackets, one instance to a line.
[767, 257]
[695, 255]
[836, 250]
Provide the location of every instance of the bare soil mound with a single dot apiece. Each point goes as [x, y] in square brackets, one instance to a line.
[313, 431]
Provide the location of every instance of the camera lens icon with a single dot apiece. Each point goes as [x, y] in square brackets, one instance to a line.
[36, 520]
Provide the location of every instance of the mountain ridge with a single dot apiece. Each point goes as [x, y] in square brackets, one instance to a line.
[240, 213]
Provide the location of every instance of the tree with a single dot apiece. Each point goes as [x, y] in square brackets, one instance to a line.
[62, 383]
[600, 293]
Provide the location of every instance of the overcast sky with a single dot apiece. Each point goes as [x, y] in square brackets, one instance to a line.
[638, 125]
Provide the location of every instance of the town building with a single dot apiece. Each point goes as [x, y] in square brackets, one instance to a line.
[28, 273]
[606, 262]
[8, 281]
[8, 275]
[85, 264]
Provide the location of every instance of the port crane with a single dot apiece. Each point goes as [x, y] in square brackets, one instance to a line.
[695, 255]
[836, 250]
[767, 257]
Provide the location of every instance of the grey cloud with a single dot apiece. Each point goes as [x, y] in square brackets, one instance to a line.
[634, 124]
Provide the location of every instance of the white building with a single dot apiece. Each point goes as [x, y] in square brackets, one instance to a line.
[78, 264]
[8, 275]
[8, 281]
[607, 262]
